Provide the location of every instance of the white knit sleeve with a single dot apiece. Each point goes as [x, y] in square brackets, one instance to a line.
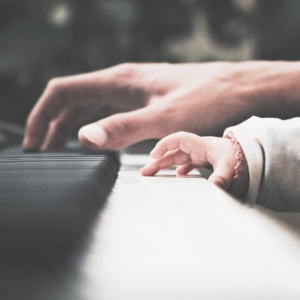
[272, 150]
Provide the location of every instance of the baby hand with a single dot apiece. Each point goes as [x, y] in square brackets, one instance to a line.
[190, 151]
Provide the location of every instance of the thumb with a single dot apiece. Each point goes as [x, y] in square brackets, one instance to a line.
[120, 130]
[223, 175]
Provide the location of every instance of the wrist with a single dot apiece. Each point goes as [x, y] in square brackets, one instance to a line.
[217, 149]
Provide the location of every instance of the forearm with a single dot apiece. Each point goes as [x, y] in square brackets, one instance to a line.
[269, 89]
[233, 92]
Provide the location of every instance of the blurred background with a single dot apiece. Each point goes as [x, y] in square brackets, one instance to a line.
[42, 39]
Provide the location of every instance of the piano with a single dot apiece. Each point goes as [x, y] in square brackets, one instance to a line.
[161, 237]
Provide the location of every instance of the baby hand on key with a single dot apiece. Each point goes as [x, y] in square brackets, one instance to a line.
[189, 151]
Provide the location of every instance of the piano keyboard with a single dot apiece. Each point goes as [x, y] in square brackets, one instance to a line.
[159, 237]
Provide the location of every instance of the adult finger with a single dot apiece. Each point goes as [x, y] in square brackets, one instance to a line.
[46, 110]
[175, 157]
[186, 142]
[185, 169]
[59, 129]
[121, 130]
[60, 94]
[223, 175]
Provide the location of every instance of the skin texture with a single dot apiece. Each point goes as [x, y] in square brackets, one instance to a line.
[189, 151]
[156, 100]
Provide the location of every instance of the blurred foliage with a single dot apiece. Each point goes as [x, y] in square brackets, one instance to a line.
[42, 39]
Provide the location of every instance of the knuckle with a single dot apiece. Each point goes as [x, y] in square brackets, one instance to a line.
[161, 143]
[126, 68]
[182, 134]
[55, 85]
[180, 137]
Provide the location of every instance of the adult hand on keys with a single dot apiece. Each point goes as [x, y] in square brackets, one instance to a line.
[155, 100]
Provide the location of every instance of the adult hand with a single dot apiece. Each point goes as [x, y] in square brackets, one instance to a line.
[153, 101]
[189, 151]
